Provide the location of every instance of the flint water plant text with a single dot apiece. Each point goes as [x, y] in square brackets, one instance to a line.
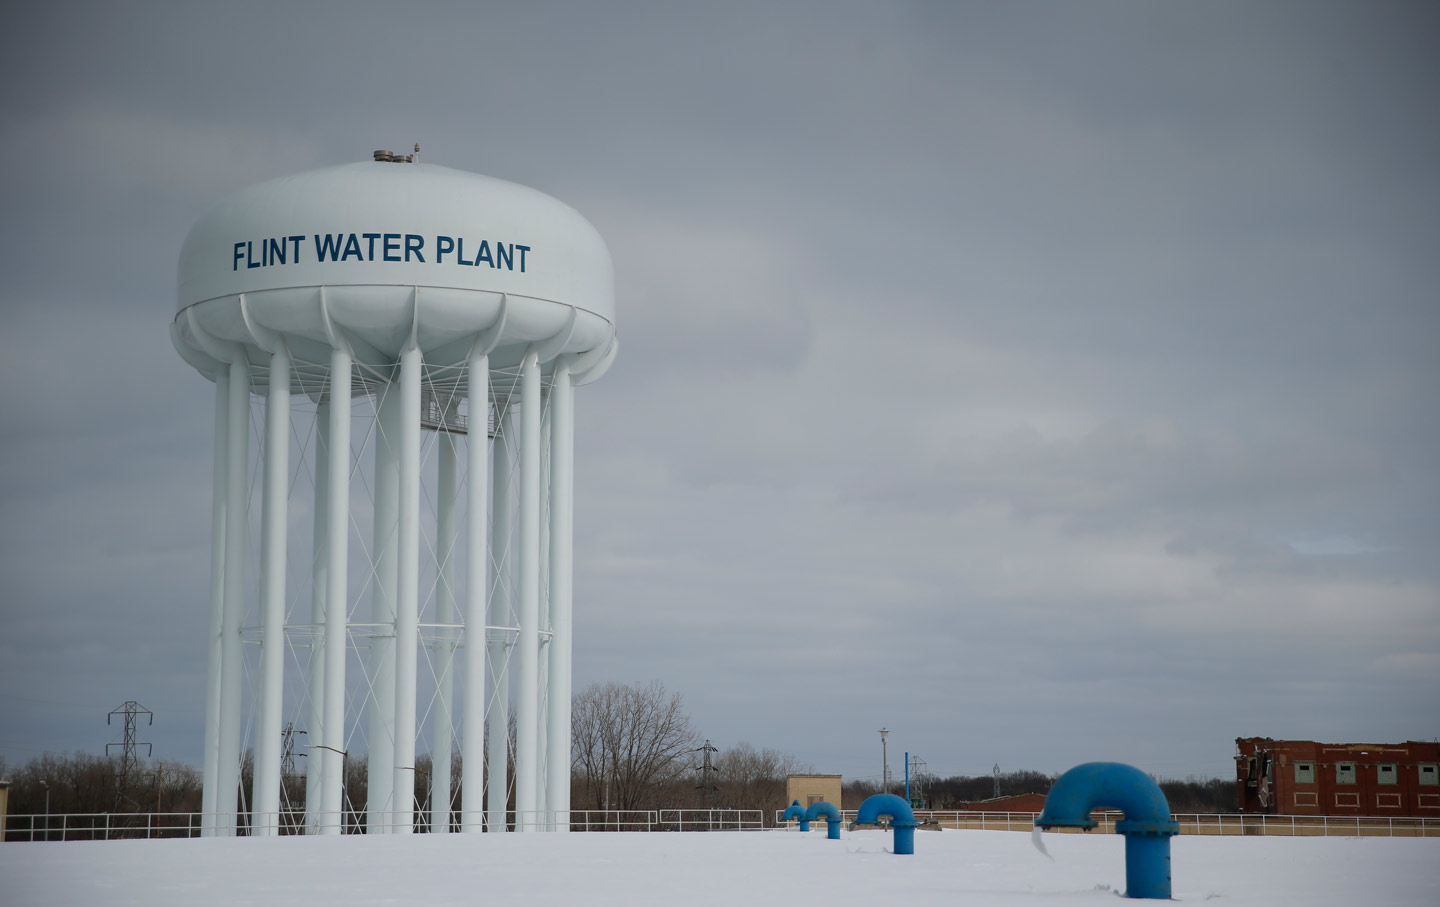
[397, 247]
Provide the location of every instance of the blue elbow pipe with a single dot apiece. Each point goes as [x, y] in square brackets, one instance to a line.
[902, 818]
[796, 811]
[1147, 826]
[832, 817]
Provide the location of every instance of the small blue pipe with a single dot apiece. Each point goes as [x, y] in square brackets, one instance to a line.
[796, 811]
[1147, 827]
[902, 818]
[832, 817]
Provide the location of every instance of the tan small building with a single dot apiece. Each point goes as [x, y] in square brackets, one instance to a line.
[809, 789]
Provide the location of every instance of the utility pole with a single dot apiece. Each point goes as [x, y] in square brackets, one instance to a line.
[884, 762]
[128, 760]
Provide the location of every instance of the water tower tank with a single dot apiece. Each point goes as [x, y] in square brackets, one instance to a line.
[452, 315]
[393, 252]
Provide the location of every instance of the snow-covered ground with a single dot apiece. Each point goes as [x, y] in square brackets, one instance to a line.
[719, 868]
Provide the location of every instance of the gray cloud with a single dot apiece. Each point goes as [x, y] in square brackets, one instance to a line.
[1043, 383]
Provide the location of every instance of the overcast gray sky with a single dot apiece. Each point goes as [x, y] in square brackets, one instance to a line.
[1044, 382]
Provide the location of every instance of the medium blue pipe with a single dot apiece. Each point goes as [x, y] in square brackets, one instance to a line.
[832, 817]
[796, 811]
[902, 818]
[1147, 827]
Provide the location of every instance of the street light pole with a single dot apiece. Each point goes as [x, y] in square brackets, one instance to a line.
[884, 762]
[45, 784]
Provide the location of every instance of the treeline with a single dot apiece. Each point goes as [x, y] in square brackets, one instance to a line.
[86, 783]
[946, 792]
[632, 748]
[1191, 795]
[1200, 795]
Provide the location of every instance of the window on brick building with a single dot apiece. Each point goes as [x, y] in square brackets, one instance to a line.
[1430, 774]
[1344, 773]
[1304, 773]
[1386, 773]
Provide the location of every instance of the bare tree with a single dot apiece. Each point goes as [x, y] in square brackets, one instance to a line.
[629, 744]
[750, 778]
[744, 764]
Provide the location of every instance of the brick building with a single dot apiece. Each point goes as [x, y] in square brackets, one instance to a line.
[1305, 778]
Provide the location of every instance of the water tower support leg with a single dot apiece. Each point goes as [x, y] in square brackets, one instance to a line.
[477, 556]
[315, 712]
[407, 602]
[337, 612]
[211, 781]
[498, 714]
[544, 819]
[562, 484]
[442, 737]
[265, 792]
[236, 502]
[380, 815]
[527, 702]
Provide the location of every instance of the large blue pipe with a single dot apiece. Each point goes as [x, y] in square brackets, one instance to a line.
[796, 811]
[832, 817]
[902, 818]
[1147, 827]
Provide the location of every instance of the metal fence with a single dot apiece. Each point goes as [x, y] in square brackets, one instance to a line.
[1196, 823]
[119, 826]
[1305, 826]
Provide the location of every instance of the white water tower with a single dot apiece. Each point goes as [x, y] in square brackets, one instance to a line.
[415, 334]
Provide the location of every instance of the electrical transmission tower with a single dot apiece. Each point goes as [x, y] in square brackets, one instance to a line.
[706, 785]
[128, 760]
[287, 755]
[997, 779]
[917, 778]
